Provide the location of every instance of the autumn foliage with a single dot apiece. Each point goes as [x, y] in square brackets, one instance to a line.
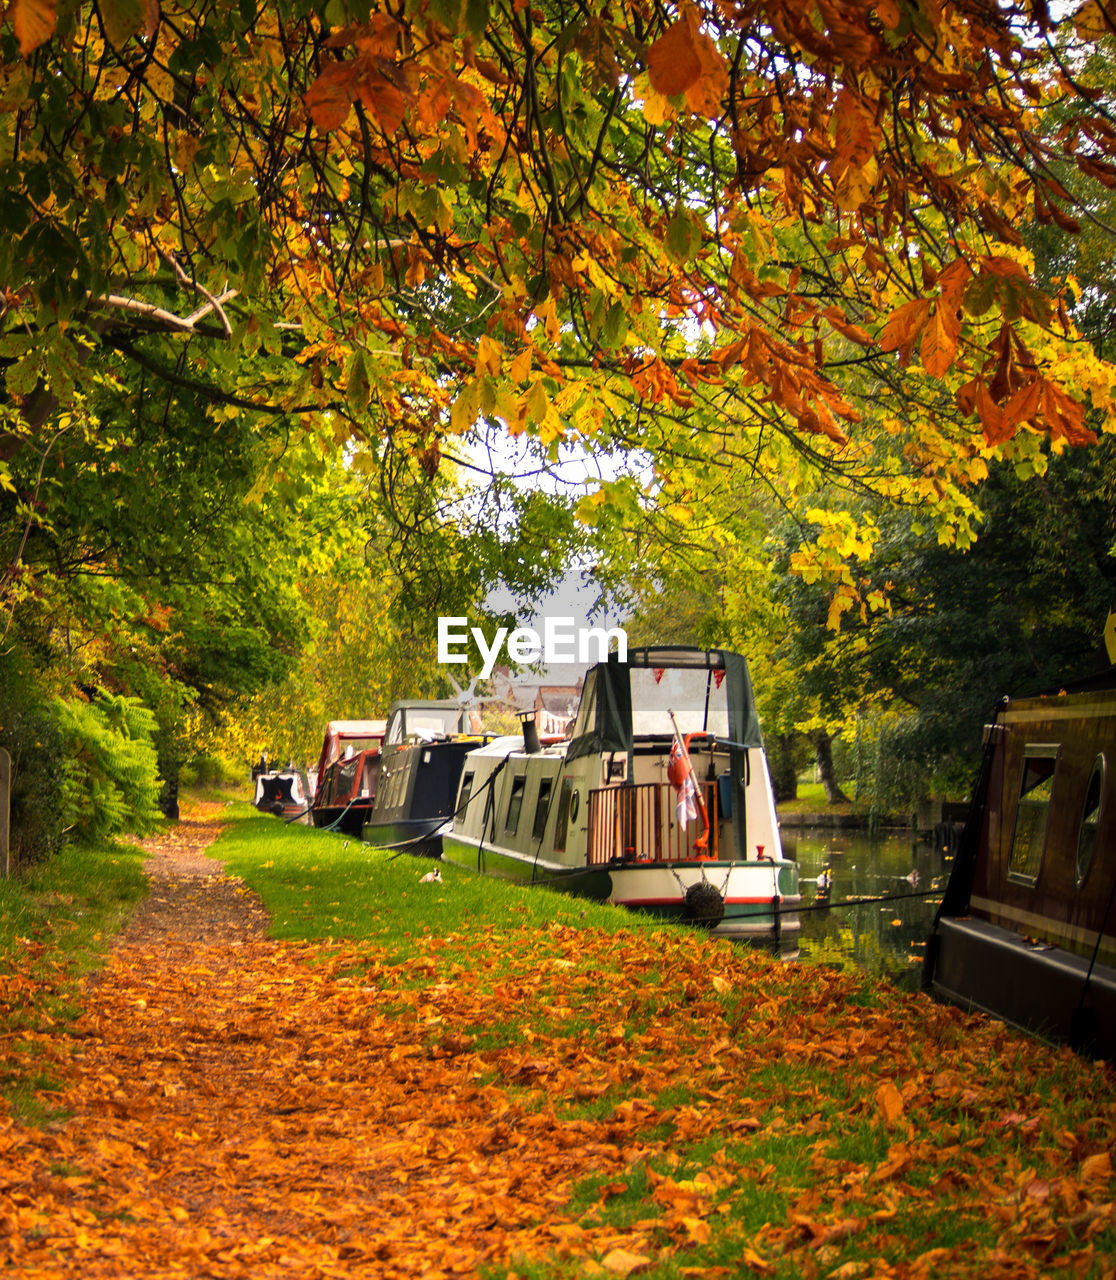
[515, 1101]
[740, 208]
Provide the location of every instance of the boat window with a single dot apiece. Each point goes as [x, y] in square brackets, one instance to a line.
[586, 721]
[515, 803]
[698, 699]
[561, 823]
[1029, 841]
[1090, 818]
[466, 789]
[542, 808]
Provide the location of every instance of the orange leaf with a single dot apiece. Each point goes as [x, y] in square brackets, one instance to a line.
[330, 97]
[844, 327]
[939, 340]
[889, 1102]
[904, 324]
[1024, 404]
[1006, 268]
[377, 90]
[621, 1262]
[706, 95]
[996, 427]
[673, 61]
[952, 281]
[34, 22]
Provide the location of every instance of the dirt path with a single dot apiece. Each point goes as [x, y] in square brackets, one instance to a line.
[240, 1107]
[192, 902]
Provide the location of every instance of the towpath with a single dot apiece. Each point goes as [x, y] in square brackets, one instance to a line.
[240, 1107]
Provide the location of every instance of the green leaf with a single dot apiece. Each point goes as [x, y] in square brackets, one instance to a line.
[121, 19]
[683, 237]
[358, 389]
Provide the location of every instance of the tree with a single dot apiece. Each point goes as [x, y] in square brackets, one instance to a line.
[711, 233]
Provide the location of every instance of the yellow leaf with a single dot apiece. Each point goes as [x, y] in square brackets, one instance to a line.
[657, 108]
[521, 365]
[621, 1262]
[547, 314]
[1091, 22]
[489, 354]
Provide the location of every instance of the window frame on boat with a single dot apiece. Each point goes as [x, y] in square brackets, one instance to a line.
[542, 807]
[515, 802]
[466, 790]
[1024, 864]
[1091, 814]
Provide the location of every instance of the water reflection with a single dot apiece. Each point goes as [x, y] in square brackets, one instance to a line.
[887, 938]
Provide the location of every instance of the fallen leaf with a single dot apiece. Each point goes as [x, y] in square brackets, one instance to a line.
[620, 1262]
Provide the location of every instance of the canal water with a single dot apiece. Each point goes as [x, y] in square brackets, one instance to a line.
[884, 938]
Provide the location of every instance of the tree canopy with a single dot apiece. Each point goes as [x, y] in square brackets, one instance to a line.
[712, 232]
[738, 258]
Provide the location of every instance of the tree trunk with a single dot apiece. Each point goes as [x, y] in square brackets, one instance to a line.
[780, 762]
[823, 751]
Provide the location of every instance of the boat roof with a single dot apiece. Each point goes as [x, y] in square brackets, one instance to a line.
[356, 728]
[606, 717]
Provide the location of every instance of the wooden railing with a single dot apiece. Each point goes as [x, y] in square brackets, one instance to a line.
[639, 824]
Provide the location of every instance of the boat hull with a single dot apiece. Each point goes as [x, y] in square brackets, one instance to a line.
[1042, 988]
[752, 897]
[1025, 929]
[347, 821]
[421, 836]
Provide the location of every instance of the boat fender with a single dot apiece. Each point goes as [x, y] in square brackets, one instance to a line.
[703, 904]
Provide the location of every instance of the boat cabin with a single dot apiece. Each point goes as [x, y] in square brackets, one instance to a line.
[1027, 927]
[661, 786]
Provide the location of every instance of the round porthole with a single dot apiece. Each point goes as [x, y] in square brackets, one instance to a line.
[575, 804]
[1090, 818]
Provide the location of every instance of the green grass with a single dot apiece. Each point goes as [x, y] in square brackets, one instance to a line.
[57, 921]
[319, 885]
[811, 799]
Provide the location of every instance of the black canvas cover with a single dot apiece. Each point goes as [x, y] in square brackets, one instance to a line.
[604, 720]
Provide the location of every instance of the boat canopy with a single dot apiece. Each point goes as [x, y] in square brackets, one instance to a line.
[360, 735]
[708, 690]
[426, 720]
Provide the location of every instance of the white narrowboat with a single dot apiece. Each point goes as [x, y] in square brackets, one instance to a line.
[659, 800]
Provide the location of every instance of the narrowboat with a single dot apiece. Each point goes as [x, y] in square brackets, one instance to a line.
[424, 748]
[659, 800]
[1026, 928]
[348, 770]
[283, 792]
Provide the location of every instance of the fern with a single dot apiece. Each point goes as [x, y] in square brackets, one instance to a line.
[113, 781]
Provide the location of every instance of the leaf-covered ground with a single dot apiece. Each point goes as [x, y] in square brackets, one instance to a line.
[513, 1101]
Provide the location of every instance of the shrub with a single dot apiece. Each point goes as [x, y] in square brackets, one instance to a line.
[213, 771]
[41, 766]
[113, 784]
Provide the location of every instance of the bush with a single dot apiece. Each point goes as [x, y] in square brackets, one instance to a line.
[213, 771]
[113, 785]
[41, 766]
